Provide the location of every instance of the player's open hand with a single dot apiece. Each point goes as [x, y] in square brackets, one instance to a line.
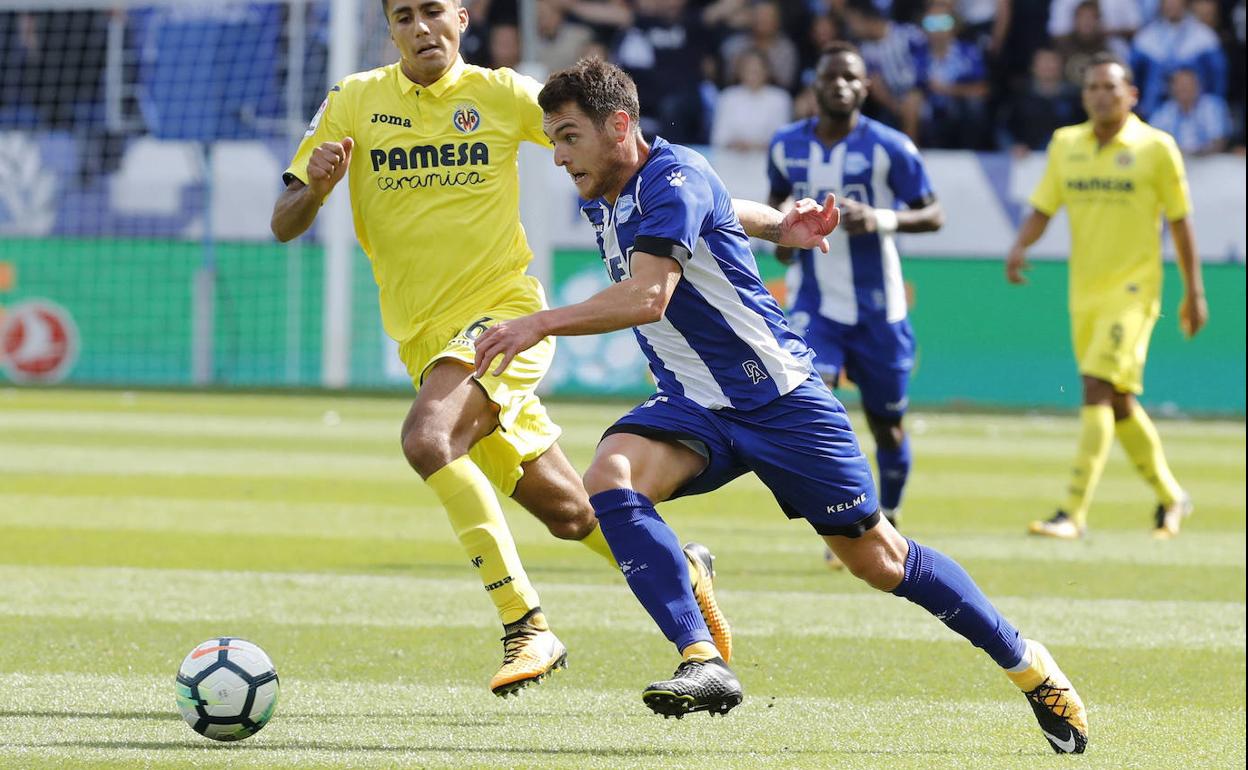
[1015, 265]
[507, 339]
[805, 225]
[328, 165]
[1193, 314]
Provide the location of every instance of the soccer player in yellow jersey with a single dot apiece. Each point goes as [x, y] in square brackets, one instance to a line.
[431, 144]
[1116, 176]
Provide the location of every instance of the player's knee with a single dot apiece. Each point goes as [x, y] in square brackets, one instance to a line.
[881, 574]
[605, 474]
[887, 432]
[425, 450]
[569, 520]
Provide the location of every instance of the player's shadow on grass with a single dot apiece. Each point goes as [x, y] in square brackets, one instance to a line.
[161, 715]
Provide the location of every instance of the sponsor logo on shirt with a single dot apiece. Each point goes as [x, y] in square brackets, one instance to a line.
[393, 120]
[856, 163]
[421, 157]
[624, 209]
[1101, 184]
[754, 371]
[466, 119]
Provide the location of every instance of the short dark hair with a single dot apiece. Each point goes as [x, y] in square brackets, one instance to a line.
[1103, 58]
[840, 47]
[597, 87]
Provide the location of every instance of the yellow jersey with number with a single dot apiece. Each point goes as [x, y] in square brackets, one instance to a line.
[435, 190]
[1114, 196]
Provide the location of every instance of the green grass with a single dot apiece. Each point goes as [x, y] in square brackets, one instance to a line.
[134, 526]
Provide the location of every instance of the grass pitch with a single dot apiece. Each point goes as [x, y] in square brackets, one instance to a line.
[133, 526]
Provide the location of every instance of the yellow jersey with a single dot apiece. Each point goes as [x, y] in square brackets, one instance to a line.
[434, 183]
[1114, 196]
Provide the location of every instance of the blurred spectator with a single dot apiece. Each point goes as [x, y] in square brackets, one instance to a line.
[892, 53]
[1120, 18]
[1087, 38]
[805, 104]
[1027, 33]
[823, 30]
[1199, 122]
[1237, 94]
[60, 63]
[985, 23]
[957, 84]
[1175, 40]
[504, 46]
[765, 35]
[561, 42]
[1047, 103]
[661, 45]
[474, 44]
[54, 66]
[748, 114]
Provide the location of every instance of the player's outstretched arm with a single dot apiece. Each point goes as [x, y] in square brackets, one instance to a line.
[1193, 309]
[640, 299]
[803, 226]
[1016, 263]
[297, 206]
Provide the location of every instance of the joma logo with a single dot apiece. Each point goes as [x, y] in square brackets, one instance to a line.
[393, 120]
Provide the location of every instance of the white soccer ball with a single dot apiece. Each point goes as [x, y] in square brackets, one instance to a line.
[227, 689]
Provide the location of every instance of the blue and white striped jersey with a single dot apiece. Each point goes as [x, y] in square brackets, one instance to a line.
[860, 278]
[723, 341]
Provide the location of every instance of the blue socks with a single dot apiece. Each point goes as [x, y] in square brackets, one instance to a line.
[894, 469]
[652, 562]
[939, 585]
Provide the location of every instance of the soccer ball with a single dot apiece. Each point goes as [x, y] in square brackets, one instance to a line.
[227, 689]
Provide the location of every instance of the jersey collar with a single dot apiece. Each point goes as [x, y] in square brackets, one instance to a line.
[438, 87]
[1126, 135]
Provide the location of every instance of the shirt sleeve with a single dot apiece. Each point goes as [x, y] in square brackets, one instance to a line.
[907, 176]
[331, 123]
[674, 203]
[777, 173]
[1047, 197]
[1172, 181]
[528, 111]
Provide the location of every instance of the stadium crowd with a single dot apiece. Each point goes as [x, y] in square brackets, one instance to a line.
[961, 74]
[958, 74]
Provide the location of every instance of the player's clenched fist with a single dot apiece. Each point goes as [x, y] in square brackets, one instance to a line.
[328, 165]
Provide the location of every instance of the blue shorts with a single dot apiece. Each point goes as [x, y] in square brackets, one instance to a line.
[876, 355]
[800, 445]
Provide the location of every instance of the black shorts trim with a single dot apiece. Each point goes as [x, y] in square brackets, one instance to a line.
[660, 434]
[662, 247]
[855, 530]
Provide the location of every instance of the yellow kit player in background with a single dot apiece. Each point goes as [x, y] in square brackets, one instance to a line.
[432, 144]
[1116, 176]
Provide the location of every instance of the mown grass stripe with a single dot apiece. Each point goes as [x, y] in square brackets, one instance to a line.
[365, 600]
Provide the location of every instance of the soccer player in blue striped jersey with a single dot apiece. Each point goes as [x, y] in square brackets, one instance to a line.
[736, 394]
[850, 304]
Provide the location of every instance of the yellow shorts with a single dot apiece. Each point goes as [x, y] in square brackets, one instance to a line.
[525, 430]
[1111, 344]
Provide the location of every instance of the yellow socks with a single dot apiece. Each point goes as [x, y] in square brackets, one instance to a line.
[1139, 438]
[1095, 437]
[700, 652]
[595, 542]
[478, 522]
